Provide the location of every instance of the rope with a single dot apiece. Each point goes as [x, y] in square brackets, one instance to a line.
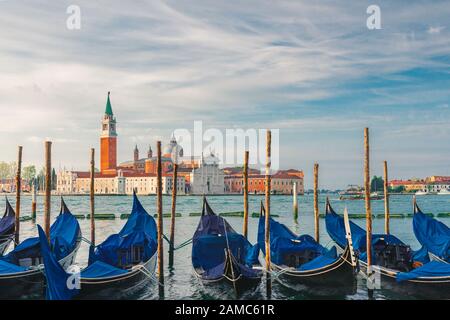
[86, 240]
[183, 244]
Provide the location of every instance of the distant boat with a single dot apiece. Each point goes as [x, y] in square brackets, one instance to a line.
[421, 193]
[444, 192]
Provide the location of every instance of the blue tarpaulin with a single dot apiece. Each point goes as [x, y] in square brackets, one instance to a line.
[283, 242]
[213, 236]
[321, 261]
[57, 288]
[6, 267]
[139, 231]
[432, 234]
[431, 269]
[64, 233]
[336, 229]
[100, 269]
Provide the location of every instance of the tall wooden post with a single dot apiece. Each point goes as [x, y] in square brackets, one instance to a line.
[48, 187]
[33, 201]
[160, 223]
[386, 199]
[245, 176]
[92, 192]
[18, 190]
[267, 215]
[295, 202]
[173, 212]
[370, 277]
[316, 202]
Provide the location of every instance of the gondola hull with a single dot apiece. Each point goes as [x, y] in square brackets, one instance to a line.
[118, 287]
[239, 284]
[422, 287]
[340, 273]
[30, 284]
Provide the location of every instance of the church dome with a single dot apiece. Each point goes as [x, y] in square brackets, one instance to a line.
[173, 147]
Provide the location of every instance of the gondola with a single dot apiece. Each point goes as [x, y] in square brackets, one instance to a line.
[221, 255]
[398, 267]
[120, 266]
[7, 228]
[432, 234]
[21, 273]
[301, 260]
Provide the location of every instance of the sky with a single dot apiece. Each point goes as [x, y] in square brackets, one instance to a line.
[311, 69]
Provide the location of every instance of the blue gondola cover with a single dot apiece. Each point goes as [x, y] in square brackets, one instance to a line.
[6, 267]
[64, 233]
[100, 269]
[57, 288]
[139, 231]
[212, 237]
[432, 234]
[283, 241]
[431, 269]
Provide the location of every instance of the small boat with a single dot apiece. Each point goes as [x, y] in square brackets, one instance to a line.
[398, 267]
[355, 192]
[432, 234]
[21, 274]
[221, 255]
[444, 192]
[7, 228]
[301, 260]
[120, 266]
[421, 193]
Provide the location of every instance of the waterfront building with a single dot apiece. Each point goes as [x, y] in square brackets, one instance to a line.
[282, 182]
[140, 172]
[207, 178]
[409, 185]
[9, 185]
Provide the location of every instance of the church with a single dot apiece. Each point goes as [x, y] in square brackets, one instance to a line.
[196, 175]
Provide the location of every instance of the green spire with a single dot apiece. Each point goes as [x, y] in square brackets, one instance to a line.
[108, 110]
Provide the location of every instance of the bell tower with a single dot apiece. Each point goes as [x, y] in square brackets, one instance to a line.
[108, 140]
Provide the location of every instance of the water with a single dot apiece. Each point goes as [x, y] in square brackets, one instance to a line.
[180, 283]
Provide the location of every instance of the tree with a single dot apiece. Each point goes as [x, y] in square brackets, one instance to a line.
[4, 170]
[54, 178]
[397, 189]
[29, 173]
[377, 184]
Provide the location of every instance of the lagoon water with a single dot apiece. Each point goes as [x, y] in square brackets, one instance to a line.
[180, 283]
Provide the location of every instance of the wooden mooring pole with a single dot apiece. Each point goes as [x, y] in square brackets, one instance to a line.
[267, 215]
[33, 201]
[386, 199]
[316, 202]
[48, 187]
[160, 223]
[370, 276]
[18, 190]
[173, 213]
[245, 176]
[295, 202]
[92, 198]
